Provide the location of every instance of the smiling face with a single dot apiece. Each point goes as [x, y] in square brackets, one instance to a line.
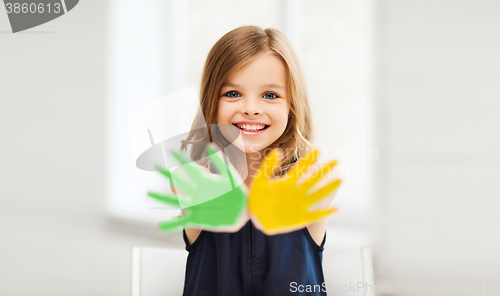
[254, 100]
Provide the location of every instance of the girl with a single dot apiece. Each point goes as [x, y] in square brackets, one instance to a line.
[252, 80]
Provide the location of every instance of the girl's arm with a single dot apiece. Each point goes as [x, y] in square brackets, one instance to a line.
[317, 229]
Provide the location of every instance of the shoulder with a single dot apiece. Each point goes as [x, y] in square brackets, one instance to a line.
[192, 234]
[317, 231]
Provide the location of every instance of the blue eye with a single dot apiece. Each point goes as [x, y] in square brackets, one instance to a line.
[275, 96]
[228, 94]
[231, 93]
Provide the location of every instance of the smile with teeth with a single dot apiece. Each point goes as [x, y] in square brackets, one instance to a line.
[251, 127]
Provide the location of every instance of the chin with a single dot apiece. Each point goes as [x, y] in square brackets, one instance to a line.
[249, 147]
[253, 148]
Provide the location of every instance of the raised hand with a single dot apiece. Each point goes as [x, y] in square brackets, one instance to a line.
[280, 204]
[212, 202]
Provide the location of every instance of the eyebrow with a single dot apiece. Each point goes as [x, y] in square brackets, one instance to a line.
[274, 85]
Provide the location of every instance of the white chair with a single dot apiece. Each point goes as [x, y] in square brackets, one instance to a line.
[348, 271]
[161, 271]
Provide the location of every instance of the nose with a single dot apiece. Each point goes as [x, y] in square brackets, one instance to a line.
[252, 107]
[251, 113]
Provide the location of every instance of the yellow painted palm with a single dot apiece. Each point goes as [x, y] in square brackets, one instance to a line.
[281, 205]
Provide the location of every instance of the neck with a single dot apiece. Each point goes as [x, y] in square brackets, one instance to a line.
[253, 163]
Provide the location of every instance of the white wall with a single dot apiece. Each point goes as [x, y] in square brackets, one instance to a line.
[55, 238]
[438, 90]
[438, 67]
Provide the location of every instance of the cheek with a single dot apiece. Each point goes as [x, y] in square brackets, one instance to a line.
[280, 116]
[223, 114]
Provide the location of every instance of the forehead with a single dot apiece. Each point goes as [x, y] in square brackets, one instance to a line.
[266, 70]
[269, 85]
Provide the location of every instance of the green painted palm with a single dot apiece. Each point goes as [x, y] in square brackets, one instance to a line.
[211, 202]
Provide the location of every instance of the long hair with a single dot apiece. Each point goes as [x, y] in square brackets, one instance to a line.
[233, 51]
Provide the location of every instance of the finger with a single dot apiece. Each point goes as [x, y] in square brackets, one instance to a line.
[165, 172]
[217, 160]
[319, 214]
[190, 166]
[323, 192]
[174, 224]
[176, 179]
[302, 165]
[169, 199]
[181, 182]
[271, 161]
[311, 181]
[226, 170]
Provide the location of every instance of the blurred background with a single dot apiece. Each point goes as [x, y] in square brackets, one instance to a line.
[405, 93]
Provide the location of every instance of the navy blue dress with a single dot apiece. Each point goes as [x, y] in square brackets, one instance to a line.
[249, 262]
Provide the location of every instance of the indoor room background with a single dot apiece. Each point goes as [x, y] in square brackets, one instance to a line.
[404, 93]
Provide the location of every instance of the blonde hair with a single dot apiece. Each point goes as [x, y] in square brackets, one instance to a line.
[233, 51]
